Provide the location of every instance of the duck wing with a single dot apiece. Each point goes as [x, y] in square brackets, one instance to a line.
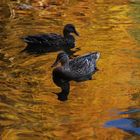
[83, 65]
[44, 39]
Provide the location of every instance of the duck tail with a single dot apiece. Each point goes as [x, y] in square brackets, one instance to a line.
[28, 48]
[23, 38]
[95, 55]
[27, 39]
[24, 50]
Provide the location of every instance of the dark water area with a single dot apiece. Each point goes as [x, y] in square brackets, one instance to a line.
[130, 125]
[105, 108]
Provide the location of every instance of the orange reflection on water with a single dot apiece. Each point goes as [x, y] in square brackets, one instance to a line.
[29, 107]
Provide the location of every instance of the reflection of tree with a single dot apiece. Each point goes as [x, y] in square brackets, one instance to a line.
[135, 32]
[5, 13]
[43, 2]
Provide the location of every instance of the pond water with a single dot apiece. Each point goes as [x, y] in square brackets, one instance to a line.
[105, 108]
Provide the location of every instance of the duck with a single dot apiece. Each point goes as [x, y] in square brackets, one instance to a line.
[51, 42]
[78, 69]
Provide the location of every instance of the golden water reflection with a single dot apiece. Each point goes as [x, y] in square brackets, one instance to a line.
[29, 109]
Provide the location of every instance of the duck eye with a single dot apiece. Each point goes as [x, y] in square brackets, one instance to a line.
[72, 28]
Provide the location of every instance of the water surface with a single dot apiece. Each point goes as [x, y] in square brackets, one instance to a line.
[29, 109]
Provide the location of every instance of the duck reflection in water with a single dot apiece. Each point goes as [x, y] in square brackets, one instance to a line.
[78, 69]
[51, 42]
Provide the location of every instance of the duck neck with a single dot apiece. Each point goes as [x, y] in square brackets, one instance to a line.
[66, 33]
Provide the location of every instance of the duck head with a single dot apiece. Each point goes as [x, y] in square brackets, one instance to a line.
[62, 58]
[69, 28]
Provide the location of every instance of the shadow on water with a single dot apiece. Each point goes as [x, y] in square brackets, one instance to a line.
[130, 125]
[62, 96]
[40, 50]
[65, 89]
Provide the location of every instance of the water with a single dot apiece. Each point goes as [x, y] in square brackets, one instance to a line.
[29, 109]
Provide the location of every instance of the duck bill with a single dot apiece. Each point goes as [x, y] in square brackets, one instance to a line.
[55, 63]
[76, 32]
